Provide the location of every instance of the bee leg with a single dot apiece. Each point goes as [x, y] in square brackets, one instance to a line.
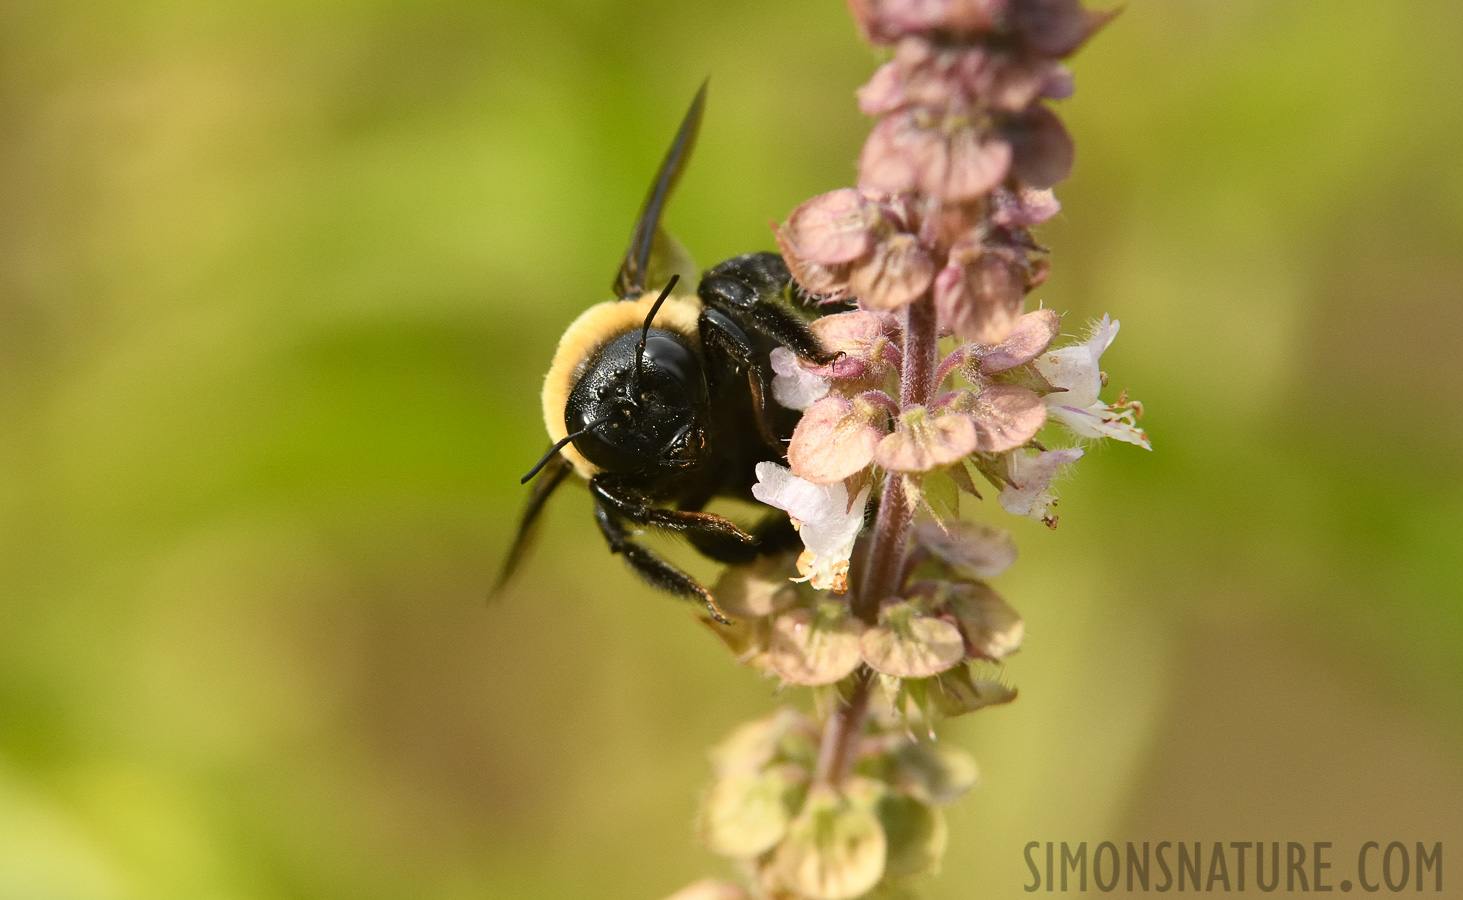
[631, 505]
[654, 570]
[749, 289]
[774, 534]
[721, 336]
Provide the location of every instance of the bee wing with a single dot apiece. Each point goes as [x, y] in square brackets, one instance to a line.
[553, 475]
[669, 257]
[653, 255]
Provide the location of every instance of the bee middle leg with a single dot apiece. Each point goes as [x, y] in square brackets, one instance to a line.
[650, 567]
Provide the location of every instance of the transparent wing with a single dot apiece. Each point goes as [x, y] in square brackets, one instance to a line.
[653, 255]
[553, 474]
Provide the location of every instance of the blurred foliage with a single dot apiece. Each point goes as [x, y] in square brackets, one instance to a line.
[277, 284]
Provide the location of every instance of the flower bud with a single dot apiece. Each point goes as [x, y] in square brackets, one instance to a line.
[755, 745]
[746, 638]
[951, 159]
[860, 337]
[1023, 209]
[1032, 334]
[710, 889]
[831, 229]
[979, 293]
[1055, 27]
[1006, 416]
[884, 21]
[758, 588]
[1042, 152]
[957, 692]
[958, 77]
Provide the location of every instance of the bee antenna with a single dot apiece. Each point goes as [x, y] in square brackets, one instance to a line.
[645, 332]
[560, 445]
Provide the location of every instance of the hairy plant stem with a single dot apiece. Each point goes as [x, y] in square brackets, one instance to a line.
[885, 558]
[836, 752]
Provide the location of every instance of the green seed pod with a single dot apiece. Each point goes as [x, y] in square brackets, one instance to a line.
[758, 588]
[710, 889]
[754, 745]
[834, 850]
[745, 815]
[992, 628]
[915, 833]
[933, 773]
[814, 647]
[956, 693]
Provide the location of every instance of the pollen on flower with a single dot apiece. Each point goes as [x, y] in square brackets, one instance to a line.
[1078, 406]
[823, 573]
[825, 519]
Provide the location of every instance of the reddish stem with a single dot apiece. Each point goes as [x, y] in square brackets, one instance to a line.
[837, 752]
[884, 561]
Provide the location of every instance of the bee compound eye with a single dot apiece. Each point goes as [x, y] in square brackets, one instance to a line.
[675, 377]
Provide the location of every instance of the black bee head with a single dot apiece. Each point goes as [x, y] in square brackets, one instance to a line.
[640, 409]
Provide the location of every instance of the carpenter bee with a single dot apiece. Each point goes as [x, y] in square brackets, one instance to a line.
[660, 400]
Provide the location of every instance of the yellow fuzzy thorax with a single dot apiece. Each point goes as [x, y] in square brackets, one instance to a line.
[596, 327]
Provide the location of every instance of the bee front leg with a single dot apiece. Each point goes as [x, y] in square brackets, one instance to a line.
[649, 566]
[631, 505]
[734, 353]
[774, 535]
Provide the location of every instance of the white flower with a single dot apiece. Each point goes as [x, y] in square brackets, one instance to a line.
[826, 521]
[1028, 482]
[1079, 407]
[793, 386]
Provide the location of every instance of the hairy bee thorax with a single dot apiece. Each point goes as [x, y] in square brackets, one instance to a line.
[588, 336]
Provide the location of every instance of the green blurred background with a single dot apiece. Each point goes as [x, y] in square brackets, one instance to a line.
[277, 285]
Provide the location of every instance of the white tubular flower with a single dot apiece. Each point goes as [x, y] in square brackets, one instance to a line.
[792, 385]
[826, 521]
[1079, 407]
[1029, 480]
